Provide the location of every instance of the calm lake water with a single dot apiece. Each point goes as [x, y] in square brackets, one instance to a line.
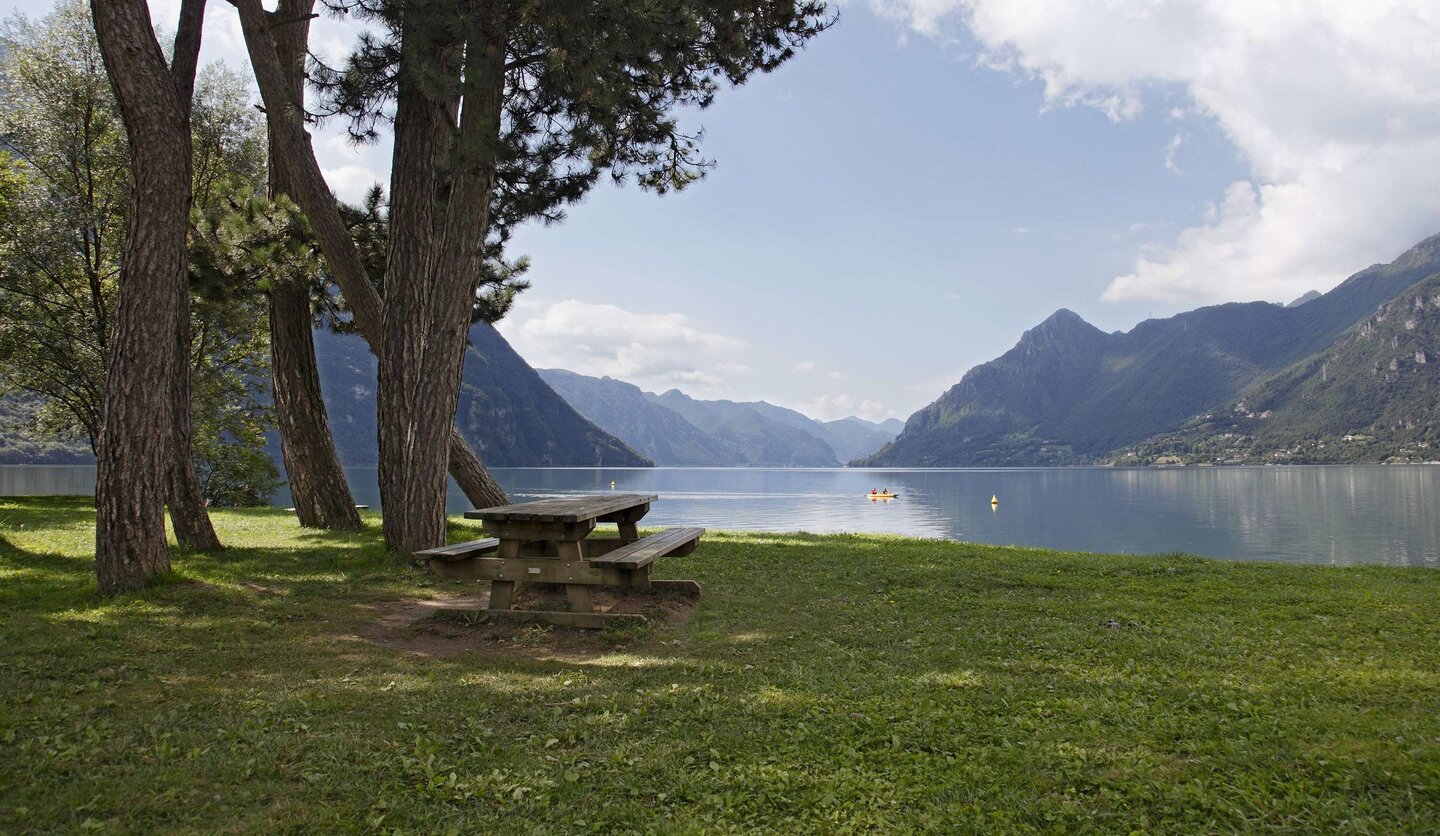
[1331, 515]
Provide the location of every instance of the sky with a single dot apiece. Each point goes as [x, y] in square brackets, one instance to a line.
[930, 178]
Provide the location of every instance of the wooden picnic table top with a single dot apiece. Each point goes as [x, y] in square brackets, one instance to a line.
[573, 509]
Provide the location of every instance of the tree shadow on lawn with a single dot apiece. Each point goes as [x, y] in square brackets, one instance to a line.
[45, 511]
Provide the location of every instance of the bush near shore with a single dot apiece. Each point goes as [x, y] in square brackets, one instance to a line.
[821, 684]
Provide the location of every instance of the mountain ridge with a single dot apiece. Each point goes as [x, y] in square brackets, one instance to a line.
[716, 432]
[767, 437]
[1373, 395]
[1067, 393]
[506, 411]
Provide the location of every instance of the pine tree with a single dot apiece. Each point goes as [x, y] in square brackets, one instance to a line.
[503, 112]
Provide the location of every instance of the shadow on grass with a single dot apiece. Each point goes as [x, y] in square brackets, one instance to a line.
[46, 511]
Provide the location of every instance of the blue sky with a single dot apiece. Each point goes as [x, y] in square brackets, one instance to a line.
[888, 211]
[932, 177]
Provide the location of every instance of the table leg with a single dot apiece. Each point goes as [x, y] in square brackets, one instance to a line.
[640, 579]
[629, 532]
[578, 594]
[502, 592]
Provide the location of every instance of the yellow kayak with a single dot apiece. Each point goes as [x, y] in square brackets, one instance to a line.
[882, 495]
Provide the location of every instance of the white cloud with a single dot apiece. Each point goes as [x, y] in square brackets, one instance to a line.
[808, 367]
[655, 351]
[1333, 104]
[221, 39]
[832, 407]
[351, 181]
[1171, 149]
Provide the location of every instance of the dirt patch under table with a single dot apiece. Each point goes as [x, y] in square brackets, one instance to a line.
[448, 625]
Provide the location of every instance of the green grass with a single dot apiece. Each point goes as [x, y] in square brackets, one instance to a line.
[823, 684]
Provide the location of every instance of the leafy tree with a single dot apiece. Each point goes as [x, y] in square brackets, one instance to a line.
[502, 112]
[60, 270]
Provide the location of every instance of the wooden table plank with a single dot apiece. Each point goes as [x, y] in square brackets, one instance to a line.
[565, 509]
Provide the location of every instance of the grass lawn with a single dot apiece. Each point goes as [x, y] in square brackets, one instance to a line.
[822, 683]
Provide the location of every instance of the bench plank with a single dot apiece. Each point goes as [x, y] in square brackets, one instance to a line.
[461, 551]
[647, 550]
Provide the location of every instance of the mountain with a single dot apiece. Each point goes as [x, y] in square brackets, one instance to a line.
[678, 431]
[654, 430]
[894, 426]
[766, 435]
[1069, 393]
[854, 438]
[506, 411]
[849, 438]
[1373, 395]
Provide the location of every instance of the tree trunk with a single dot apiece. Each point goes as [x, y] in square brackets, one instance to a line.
[188, 515]
[313, 194]
[442, 175]
[413, 413]
[317, 483]
[136, 431]
[472, 477]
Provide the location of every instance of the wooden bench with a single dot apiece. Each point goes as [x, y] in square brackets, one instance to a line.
[460, 551]
[643, 552]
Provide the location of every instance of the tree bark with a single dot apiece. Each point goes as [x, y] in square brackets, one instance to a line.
[415, 370]
[447, 169]
[188, 515]
[317, 483]
[318, 488]
[472, 477]
[313, 195]
[136, 432]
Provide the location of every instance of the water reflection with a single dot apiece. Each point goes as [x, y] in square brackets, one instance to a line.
[1335, 515]
[47, 480]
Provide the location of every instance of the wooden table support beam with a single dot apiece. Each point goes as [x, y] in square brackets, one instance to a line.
[545, 542]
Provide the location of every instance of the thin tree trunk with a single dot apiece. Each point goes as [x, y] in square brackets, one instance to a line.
[317, 483]
[188, 515]
[472, 477]
[135, 437]
[347, 268]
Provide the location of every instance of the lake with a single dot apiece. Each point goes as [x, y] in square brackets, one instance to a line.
[1329, 515]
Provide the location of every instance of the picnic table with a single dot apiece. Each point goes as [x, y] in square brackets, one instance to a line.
[548, 541]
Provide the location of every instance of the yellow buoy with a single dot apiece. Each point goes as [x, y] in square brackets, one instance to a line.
[612, 484]
[994, 500]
